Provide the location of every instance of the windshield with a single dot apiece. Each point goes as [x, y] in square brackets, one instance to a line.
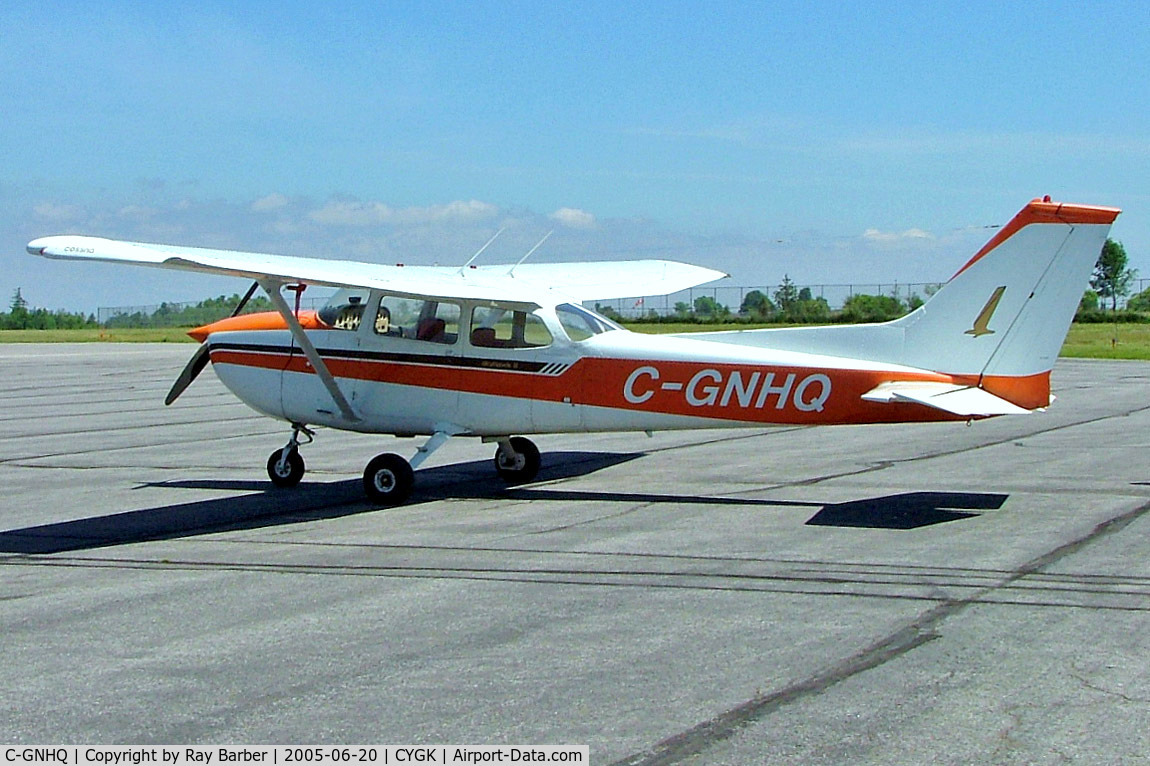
[344, 310]
[581, 324]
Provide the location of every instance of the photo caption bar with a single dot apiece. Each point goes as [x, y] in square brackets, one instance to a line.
[280, 755]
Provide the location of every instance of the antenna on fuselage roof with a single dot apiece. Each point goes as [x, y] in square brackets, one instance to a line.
[463, 268]
[529, 252]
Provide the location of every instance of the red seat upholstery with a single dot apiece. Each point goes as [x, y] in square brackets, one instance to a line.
[431, 329]
[483, 336]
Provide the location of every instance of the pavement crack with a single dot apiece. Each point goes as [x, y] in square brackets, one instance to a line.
[699, 738]
[1110, 692]
[926, 628]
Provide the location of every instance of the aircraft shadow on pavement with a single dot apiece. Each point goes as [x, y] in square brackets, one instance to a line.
[909, 510]
[271, 507]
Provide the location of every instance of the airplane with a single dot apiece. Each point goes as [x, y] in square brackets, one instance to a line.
[497, 352]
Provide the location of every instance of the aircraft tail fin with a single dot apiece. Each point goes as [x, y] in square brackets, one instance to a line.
[1003, 318]
[997, 325]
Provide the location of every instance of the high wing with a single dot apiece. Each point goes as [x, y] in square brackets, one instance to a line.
[528, 284]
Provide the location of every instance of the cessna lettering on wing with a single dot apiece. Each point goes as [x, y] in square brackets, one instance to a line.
[712, 388]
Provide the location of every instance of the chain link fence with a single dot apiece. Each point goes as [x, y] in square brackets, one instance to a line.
[186, 314]
[190, 314]
[732, 297]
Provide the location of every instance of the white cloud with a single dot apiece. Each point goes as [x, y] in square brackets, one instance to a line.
[347, 213]
[890, 237]
[473, 210]
[270, 202]
[50, 211]
[137, 211]
[574, 218]
[351, 213]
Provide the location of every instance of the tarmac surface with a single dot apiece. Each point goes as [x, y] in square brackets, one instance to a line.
[875, 594]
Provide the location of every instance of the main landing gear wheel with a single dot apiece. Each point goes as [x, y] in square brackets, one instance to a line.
[520, 463]
[285, 471]
[388, 478]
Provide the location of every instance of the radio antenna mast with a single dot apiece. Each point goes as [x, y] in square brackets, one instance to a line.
[529, 252]
[462, 269]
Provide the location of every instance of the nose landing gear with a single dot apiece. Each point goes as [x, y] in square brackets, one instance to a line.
[285, 466]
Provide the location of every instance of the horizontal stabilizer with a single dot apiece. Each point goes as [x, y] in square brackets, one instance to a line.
[968, 401]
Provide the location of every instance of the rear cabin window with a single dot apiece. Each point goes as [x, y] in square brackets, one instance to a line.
[416, 319]
[506, 328]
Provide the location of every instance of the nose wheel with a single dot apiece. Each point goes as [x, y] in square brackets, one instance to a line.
[285, 466]
[285, 470]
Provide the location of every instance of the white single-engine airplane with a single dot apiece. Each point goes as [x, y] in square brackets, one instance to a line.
[498, 351]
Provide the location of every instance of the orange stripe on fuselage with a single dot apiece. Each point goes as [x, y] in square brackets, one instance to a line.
[727, 392]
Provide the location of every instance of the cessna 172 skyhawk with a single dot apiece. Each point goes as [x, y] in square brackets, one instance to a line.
[498, 351]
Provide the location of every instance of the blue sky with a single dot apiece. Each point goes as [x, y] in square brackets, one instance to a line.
[832, 143]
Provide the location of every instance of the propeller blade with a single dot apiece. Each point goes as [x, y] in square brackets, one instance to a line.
[193, 368]
[199, 359]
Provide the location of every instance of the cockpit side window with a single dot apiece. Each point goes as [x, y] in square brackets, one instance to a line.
[344, 310]
[416, 319]
[493, 327]
[581, 324]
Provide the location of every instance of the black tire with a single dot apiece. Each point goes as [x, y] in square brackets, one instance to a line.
[388, 479]
[520, 467]
[288, 473]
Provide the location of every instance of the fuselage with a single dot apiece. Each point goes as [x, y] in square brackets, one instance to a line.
[553, 379]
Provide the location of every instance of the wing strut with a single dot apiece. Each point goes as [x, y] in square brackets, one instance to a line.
[273, 290]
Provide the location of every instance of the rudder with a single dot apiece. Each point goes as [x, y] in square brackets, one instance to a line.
[1004, 316]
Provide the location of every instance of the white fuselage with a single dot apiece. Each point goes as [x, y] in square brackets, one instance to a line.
[612, 381]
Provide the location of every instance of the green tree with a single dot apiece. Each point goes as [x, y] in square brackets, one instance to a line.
[872, 308]
[1111, 277]
[17, 312]
[787, 294]
[709, 308]
[809, 310]
[1089, 301]
[1139, 302]
[757, 305]
[20, 317]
